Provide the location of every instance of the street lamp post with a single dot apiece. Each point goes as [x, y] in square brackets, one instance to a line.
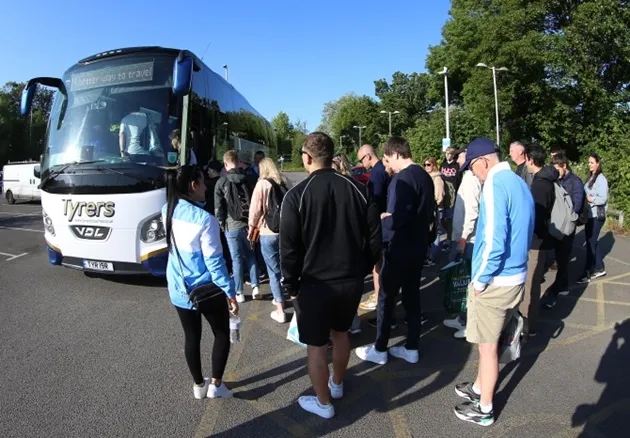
[448, 126]
[390, 119]
[225, 67]
[341, 137]
[496, 96]
[360, 128]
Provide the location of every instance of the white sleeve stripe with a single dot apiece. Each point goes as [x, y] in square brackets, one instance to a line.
[488, 235]
[350, 182]
[303, 193]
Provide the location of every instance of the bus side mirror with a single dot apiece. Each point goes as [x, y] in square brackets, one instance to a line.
[37, 171]
[182, 75]
[27, 98]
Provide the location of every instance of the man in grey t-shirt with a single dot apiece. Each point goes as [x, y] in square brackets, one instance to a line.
[132, 138]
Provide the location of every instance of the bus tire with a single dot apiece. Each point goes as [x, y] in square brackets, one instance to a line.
[9, 196]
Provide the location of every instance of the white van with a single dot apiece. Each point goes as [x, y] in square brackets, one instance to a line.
[19, 181]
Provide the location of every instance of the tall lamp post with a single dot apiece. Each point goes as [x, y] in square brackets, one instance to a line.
[360, 128]
[390, 119]
[341, 137]
[225, 67]
[447, 141]
[496, 97]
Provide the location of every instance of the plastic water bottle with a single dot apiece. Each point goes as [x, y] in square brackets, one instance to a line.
[235, 329]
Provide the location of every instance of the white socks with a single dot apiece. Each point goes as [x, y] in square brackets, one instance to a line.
[486, 409]
[476, 389]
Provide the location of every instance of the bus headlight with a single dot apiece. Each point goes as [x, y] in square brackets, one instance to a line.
[153, 230]
[48, 225]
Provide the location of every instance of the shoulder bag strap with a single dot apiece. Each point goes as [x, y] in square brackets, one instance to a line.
[179, 260]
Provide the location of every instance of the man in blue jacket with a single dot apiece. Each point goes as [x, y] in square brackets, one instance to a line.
[574, 187]
[499, 269]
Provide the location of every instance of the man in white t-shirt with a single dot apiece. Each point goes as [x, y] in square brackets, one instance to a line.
[131, 138]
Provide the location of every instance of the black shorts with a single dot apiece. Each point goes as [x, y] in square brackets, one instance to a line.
[323, 307]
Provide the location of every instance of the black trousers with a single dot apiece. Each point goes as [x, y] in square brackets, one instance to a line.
[563, 250]
[398, 273]
[216, 312]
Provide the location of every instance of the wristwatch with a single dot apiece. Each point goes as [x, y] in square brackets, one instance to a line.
[232, 300]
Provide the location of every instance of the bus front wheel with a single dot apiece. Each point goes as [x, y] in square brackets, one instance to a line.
[10, 198]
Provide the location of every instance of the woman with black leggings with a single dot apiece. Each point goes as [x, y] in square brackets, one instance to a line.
[196, 259]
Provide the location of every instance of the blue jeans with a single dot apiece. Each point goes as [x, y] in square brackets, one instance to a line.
[242, 255]
[270, 248]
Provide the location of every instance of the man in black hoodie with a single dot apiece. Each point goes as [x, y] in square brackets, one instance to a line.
[232, 195]
[543, 192]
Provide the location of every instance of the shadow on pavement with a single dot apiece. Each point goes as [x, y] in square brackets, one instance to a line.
[365, 395]
[608, 416]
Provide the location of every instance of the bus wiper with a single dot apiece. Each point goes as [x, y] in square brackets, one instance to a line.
[55, 173]
[130, 175]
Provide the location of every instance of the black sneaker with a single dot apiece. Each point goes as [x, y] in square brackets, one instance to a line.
[586, 278]
[470, 411]
[372, 322]
[550, 301]
[465, 390]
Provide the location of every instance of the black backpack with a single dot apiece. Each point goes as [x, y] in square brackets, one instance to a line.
[238, 200]
[274, 203]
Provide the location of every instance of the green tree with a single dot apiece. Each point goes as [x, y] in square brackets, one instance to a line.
[284, 132]
[408, 94]
[19, 138]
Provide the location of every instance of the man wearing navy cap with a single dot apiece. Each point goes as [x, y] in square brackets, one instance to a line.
[499, 270]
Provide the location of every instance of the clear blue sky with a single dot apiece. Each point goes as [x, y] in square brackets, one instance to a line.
[289, 55]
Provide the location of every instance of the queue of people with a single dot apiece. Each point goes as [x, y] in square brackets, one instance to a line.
[320, 238]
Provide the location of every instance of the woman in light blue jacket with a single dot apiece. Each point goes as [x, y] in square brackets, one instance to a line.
[596, 190]
[196, 259]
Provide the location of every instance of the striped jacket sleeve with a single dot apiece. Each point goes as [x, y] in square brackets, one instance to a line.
[213, 256]
[495, 210]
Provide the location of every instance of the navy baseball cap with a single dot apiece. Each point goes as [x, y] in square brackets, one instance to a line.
[478, 148]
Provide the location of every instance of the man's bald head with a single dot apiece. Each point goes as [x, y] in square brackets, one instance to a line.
[367, 156]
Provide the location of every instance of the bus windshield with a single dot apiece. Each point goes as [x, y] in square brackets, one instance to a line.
[117, 110]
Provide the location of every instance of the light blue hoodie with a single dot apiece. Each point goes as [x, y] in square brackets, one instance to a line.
[599, 192]
[197, 236]
[504, 230]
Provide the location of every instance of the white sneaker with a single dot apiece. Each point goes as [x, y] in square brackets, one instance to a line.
[200, 392]
[410, 356]
[280, 317]
[369, 353]
[311, 404]
[460, 334]
[455, 323]
[336, 391]
[221, 391]
[256, 293]
[240, 297]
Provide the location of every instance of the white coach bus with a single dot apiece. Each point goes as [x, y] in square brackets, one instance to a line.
[111, 135]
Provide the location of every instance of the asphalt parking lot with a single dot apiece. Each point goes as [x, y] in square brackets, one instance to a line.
[97, 356]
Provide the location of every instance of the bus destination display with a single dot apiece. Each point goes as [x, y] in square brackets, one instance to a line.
[112, 76]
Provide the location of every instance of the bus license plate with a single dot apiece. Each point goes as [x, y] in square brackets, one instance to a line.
[98, 266]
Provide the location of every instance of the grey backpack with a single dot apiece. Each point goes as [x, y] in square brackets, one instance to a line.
[562, 221]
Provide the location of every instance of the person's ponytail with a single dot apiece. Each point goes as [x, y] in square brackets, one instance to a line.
[172, 198]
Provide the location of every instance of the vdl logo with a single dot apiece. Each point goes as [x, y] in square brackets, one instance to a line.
[90, 209]
[89, 232]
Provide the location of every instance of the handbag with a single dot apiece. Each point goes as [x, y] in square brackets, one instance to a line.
[601, 213]
[200, 293]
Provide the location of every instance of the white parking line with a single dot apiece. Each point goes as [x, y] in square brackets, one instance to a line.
[12, 256]
[21, 229]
